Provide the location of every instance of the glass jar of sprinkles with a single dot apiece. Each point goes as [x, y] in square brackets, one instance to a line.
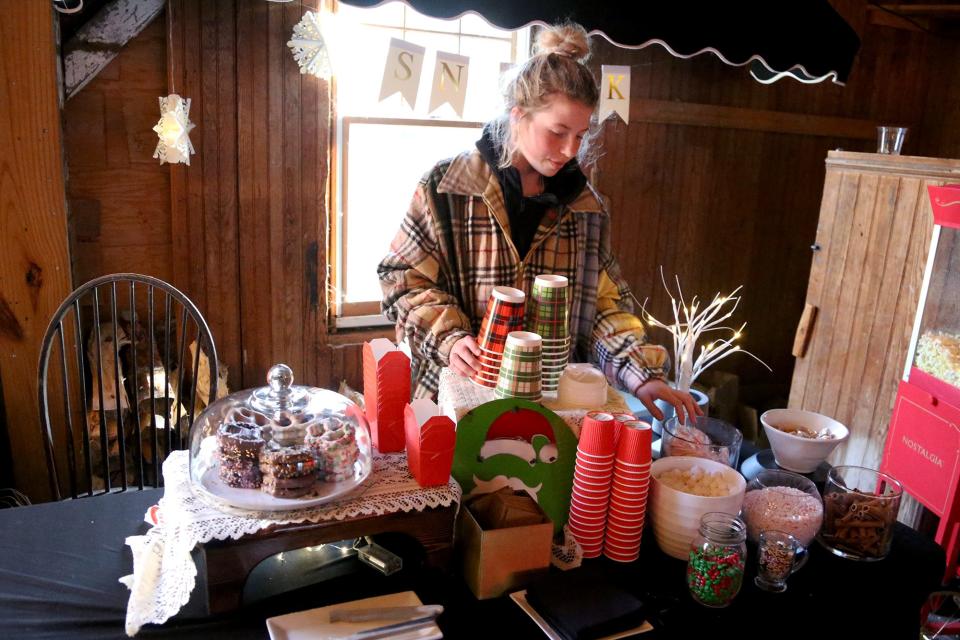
[718, 554]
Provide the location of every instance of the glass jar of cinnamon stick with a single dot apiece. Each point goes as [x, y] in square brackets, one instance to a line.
[860, 508]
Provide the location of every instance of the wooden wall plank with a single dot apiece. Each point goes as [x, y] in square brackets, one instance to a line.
[253, 194]
[253, 199]
[118, 195]
[822, 292]
[872, 302]
[35, 264]
[718, 117]
[203, 194]
[886, 333]
[849, 285]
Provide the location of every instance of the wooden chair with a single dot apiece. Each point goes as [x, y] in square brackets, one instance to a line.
[110, 413]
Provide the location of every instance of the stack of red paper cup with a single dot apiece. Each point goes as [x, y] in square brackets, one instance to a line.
[504, 315]
[628, 495]
[592, 476]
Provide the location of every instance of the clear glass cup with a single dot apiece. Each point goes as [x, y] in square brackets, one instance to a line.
[703, 438]
[779, 554]
[860, 508]
[890, 139]
[940, 616]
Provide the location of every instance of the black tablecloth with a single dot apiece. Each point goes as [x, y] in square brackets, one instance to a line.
[59, 565]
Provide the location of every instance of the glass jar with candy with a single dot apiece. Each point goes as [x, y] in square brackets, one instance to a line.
[716, 561]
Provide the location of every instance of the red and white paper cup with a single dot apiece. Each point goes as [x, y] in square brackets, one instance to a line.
[598, 435]
[634, 443]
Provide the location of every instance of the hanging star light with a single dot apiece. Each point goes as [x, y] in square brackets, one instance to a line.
[309, 48]
[174, 130]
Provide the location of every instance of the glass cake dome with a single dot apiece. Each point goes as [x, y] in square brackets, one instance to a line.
[279, 447]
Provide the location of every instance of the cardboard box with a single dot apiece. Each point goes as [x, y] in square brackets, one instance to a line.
[495, 561]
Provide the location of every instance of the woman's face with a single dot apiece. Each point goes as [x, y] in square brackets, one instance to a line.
[549, 138]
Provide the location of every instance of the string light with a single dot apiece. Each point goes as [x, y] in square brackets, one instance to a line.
[690, 323]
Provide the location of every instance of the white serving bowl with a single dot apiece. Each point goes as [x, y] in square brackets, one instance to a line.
[675, 515]
[796, 453]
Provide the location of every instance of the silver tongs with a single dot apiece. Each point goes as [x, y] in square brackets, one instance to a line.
[399, 619]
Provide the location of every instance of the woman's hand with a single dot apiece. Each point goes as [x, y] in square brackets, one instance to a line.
[463, 356]
[657, 389]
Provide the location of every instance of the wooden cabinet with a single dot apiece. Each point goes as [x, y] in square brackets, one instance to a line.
[868, 261]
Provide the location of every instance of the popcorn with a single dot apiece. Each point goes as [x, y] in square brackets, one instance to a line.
[698, 482]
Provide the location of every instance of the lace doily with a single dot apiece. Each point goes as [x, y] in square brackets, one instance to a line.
[164, 573]
[456, 396]
[568, 554]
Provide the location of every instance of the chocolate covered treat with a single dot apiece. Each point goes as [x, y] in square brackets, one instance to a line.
[242, 475]
[335, 444]
[288, 472]
[239, 447]
[288, 487]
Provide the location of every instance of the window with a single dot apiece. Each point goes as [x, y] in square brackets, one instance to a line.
[384, 148]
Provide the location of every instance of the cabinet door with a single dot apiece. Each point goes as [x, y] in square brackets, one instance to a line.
[865, 280]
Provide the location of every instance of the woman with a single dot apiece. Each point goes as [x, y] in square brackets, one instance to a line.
[515, 207]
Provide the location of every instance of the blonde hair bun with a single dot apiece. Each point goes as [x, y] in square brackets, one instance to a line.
[567, 39]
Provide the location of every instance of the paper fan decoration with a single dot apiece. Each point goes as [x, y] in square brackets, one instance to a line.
[309, 48]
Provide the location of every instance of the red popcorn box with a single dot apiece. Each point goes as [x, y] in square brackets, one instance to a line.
[431, 439]
[386, 391]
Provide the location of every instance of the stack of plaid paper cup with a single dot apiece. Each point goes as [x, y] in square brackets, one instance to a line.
[592, 476]
[550, 318]
[520, 367]
[628, 495]
[504, 314]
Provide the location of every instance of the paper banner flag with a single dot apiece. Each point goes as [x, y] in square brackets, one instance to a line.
[615, 92]
[450, 81]
[402, 71]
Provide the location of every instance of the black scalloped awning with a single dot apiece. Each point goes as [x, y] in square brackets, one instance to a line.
[804, 39]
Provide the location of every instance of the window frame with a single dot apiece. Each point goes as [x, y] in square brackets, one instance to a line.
[366, 314]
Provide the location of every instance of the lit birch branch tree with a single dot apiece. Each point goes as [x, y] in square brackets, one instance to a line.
[690, 322]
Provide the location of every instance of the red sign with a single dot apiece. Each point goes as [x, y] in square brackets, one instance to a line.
[945, 202]
[923, 447]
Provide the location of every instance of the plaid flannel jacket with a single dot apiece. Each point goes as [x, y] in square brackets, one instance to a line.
[454, 246]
